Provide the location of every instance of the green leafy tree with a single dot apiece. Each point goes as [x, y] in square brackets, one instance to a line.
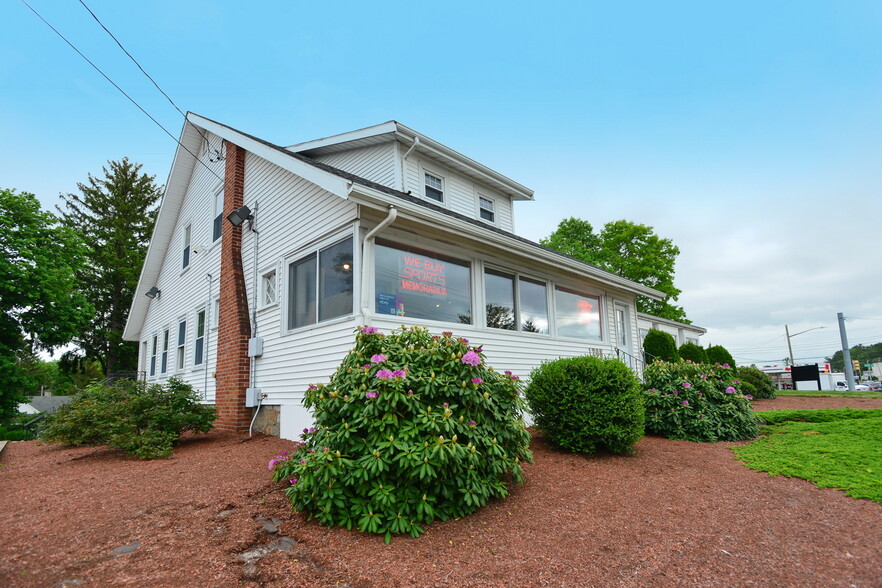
[115, 216]
[719, 354]
[41, 306]
[628, 249]
[863, 353]
[658, 345]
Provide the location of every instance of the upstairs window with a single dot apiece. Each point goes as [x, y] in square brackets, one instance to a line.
[187, 232]
[218, 215]
[434, 187]
[320, 285]
[486, 210]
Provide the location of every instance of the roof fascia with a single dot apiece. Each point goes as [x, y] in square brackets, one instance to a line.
[169, 208]
[365, 133]
[277, 155]
[427, 144]
[670, 322]
[381, 200]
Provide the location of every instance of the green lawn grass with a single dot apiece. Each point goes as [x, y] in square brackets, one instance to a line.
[831, 393]
[839, 448]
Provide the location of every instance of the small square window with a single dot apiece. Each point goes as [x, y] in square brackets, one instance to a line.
[434, 187]
[486, 211]
[269, 288]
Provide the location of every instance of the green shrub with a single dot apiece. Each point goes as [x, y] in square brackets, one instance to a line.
[142, 420]
[719, 354]
[411, 428]
[692, 352]
[760, 381]
[585, 404]
[697, 402]
[658, 345]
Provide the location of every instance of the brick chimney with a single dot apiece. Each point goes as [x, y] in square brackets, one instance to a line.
[234, 326]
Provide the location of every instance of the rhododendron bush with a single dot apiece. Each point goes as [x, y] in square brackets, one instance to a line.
[411, 428]
[697, 402]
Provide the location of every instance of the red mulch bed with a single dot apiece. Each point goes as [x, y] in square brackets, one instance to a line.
[675, 514]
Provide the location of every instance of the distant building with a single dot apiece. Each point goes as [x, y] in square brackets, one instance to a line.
[38, 404]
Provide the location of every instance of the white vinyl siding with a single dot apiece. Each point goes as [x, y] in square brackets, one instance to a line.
[376, 163]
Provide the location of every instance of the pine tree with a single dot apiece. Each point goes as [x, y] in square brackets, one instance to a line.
[115, 215]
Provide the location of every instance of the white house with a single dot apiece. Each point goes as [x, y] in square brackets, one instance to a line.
[381, 226]
[681, 332]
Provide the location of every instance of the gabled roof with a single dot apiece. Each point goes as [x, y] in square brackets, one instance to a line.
[48, 403]
[671, 323]
[344, 185]
[395, 131]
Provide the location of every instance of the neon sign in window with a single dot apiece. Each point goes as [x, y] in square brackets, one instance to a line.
[577, 315]
[423, 285]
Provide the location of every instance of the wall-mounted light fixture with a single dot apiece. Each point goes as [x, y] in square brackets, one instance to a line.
[240, 215]
[197, 249]
[152, 292]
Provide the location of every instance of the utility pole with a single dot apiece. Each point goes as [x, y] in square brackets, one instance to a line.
[789, 348]
[846, 353]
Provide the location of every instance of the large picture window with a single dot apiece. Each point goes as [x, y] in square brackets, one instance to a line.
[320, 285]
[577, 315]
[522, 309]
[423, 285]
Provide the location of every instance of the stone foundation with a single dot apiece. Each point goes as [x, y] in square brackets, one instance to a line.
[267, 421]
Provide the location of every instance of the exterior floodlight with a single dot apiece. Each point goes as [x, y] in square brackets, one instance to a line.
[240, 215]
[152, 292]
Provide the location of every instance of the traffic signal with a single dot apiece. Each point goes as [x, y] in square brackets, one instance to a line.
[857, 365]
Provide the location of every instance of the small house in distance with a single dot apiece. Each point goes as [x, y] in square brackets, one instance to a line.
[265, 259]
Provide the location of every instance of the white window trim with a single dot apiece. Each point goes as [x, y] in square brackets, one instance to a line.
[164, 345]
[153, 358]
[181, 346]
[187, 246]
[492, 210]
[282, 279]
[199, 309]
[444, 185]
[219, 190]
[263, 275]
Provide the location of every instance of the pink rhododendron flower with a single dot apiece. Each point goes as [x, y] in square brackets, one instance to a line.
[378, 358]
[311, 387]
[730, 390]
[704, 376]
[369, 330]
[447, 333]
[477, 381]
[464, 340]
[472, 423]
[685, 403]
[384, 375]
[471, 358]
[748, 396]
[292, 481]
[507, 373]
[399, 374]
[687, 385]
[371, 394]
[445, 405]
[515, 378]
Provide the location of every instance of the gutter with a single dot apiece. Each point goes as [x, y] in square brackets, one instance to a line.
[367, 260]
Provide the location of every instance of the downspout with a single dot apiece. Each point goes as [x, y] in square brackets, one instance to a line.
[416, 141]
[367, 261]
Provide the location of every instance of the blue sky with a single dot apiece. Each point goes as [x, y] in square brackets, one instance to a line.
[749, 133]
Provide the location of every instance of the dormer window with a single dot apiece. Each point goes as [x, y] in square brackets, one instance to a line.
[434, 187]
[485, 209]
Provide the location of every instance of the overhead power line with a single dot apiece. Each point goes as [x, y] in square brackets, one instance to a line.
[123, 92]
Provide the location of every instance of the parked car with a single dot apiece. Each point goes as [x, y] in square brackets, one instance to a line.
[874, 385]
[843, 386]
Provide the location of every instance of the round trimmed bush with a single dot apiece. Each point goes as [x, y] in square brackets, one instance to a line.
[719, 354]
[658, 345]
[760, 382]
[697, 402]
[411, 428]
[692, 352]
[585, 404]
